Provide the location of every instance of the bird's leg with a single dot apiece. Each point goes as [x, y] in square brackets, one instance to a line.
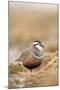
[31, 70]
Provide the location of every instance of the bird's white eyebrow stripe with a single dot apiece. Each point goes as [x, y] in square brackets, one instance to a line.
[34, 43]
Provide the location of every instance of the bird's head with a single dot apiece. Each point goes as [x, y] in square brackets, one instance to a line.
[38, 45]
[37, 49]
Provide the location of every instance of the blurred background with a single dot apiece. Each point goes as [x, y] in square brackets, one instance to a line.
[29, 22]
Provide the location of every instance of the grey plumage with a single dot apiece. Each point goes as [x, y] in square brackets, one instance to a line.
[24, 54]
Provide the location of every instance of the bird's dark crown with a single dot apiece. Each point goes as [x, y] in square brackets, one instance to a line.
[37, 42]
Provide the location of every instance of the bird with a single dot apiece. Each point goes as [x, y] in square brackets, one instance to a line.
[32, 56]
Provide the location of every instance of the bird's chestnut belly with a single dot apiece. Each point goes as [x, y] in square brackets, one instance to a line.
[31, 62]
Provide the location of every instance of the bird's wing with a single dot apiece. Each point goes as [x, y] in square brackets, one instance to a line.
[24, 54]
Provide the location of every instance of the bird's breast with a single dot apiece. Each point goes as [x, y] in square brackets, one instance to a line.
[31, 62]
